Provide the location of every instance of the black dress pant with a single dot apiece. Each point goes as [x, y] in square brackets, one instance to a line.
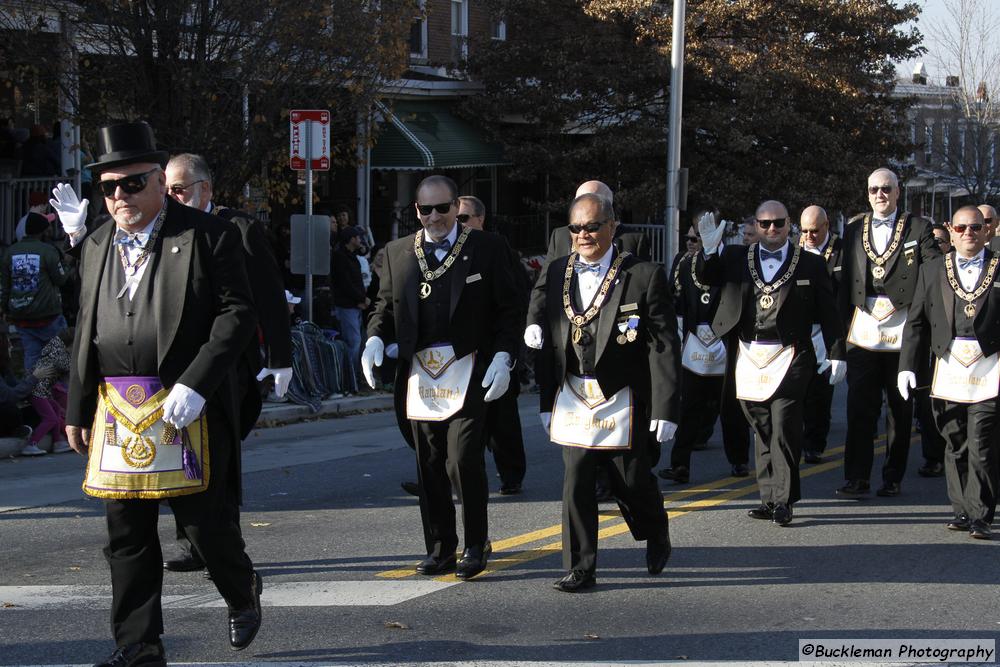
[870, 376]
[932, 443]
[970, 462]
[816, 412]
[777, 425]
[136, 561]
[503, 435]
[702, 401]
[633, 485]
[450, 455]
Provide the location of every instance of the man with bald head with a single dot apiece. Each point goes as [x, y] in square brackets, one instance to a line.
[990, 220]
[817, 238]
[772, 292]
[883, 253]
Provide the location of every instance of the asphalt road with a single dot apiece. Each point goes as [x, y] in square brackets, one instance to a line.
[336, 540]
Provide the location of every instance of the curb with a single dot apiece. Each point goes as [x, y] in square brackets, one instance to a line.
[274, 414]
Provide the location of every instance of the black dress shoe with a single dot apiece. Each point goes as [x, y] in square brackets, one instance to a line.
[782, 514]
[431, 565]
[931, 469]
[810, 456]
[575, 581]
[244, 623]
[657, 554]
[510, 489]
[189, 562]
[740, 470]
[980, 530]
[854, 487]
[412, 488]
[679, 474]
[960, 522]
[765, 511]
[134, 655]
[888, 490]
[473, 561]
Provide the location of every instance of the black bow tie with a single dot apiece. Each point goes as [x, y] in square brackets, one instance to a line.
[767, 254]
[431, 246]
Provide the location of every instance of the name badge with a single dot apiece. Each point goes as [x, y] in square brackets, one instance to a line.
[473, 278]
[802, 282]
[909, 244]
[837, 268]
[628, 307]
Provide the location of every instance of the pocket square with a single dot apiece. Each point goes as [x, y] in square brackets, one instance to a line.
[473, 278]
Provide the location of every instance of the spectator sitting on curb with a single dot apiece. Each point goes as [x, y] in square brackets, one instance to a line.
[11, 392]
[48, 397]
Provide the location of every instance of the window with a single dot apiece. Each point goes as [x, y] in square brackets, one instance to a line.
[459, 29]
[961, 147]
[928, 143]
[498, 29]
[945, 130]
[913, 139]
[418, 34]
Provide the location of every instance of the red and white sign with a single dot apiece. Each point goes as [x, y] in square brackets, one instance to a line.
[318, 121]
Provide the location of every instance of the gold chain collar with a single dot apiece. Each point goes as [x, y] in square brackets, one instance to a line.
[956, 286]
[425, 271]
[602, 292]
[765, 287]
[879, 260]
[132, 268]
[706, 295]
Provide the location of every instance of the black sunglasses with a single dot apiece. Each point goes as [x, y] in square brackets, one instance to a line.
[960, 229]
[765, 224]
[425, 209]
[129, 185]
[873, 189]
[590, 227]
[988, 221]
[463, 217]
[178, 189]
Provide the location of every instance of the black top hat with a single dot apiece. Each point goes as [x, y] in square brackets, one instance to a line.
[126, 143]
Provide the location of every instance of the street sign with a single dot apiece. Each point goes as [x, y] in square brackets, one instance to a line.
[309, 124]
[310, 251]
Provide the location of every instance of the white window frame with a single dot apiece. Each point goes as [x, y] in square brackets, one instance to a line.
[422, 55]
[928, 143]
[463, 27]
[498, 30]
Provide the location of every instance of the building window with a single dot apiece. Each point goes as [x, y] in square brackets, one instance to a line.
[993, 153]
[945, 130]
[913, 139]
[928, 143]
[418, 34]
[961, 147]
[459, 29]
[498, 29]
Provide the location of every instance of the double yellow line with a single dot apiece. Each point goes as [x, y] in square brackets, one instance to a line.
[505, 554]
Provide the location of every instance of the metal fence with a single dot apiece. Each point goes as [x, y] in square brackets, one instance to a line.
[656, 234]
[14, 200]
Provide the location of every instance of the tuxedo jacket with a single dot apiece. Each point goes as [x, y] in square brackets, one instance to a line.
[650, 365]
[834, 264]
[806, 298]
[561, 245]
[688, 299]
[901, 273]
[931, 315]
[204, 310]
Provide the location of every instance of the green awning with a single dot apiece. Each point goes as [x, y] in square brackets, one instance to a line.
[417, 136]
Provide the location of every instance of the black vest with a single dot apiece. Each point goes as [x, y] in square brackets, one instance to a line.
[125, 336]
[434, 312]
[965, 325]
[762, 323]
[582, 358]
[873, 288]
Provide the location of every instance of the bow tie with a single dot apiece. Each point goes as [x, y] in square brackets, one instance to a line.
[881, 222]
[968, 263]
[431, 246]
[584, 267]
[767, 254]
[137, 240]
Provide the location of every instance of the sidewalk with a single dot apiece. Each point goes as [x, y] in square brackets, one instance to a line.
[341, 406]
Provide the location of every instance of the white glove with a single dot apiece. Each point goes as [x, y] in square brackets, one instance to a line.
[905, 381]
[372, 356]
[392, 350]
[533, 337]
[182, 406]
[711, 233]
[546, 418]
[664, 430]
[282, 378]
[72, 211]
[497, 377]
[838, 371]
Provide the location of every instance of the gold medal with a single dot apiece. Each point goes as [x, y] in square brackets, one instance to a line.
[878, 272]
[970, 310]
[581, 337]
[631, 335]
[621, 339]
[705, 298]
[766, 301]
[425, 290]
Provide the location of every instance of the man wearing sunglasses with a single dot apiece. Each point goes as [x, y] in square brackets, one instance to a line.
[608, 379]
[189, 182]
[705, 395]
[990, 220]
[772, 293]
[884, 251]
[447, 297]
[503, 432]
[955, 311]
[817, 238]
[165, 313]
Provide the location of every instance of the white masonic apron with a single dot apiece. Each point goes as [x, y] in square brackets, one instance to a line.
[965, 375]
[583, 417]
[438, 383]
[879, 327]
[703, 353]
[761, 366]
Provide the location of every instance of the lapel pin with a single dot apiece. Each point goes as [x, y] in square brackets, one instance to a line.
[465, 258]
[175, 250]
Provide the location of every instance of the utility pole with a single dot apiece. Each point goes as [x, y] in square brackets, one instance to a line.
[672, 221]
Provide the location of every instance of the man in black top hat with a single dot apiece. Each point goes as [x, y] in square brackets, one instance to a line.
[165, 313]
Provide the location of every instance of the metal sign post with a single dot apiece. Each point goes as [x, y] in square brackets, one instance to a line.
[309, 222]
[674, 137]
[310, 149]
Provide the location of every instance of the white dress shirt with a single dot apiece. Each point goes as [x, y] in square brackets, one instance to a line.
[588, 282]
[132, 252]
[452, 236]
[771, 266]
[969, 276]
[881, 235]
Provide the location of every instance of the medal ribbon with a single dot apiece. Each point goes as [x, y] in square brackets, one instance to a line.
[602, 292]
